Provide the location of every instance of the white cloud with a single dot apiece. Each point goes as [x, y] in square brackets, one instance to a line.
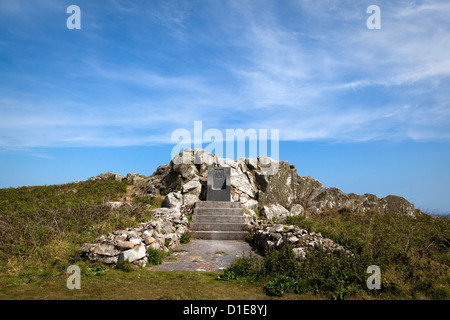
[307, 78]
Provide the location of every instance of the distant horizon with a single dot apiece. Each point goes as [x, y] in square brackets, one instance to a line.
[359, 91]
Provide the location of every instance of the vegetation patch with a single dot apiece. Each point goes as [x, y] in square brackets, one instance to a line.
[412, 253]
[185, 238]
[125, 265]
[155, 257]
[152, 202]
[221, 253]
[42, 228]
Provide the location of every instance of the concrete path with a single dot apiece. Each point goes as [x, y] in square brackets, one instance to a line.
[205, 255]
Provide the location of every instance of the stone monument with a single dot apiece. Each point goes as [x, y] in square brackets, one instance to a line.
[219, 184]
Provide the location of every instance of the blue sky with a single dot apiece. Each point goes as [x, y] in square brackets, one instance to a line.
[363, 110]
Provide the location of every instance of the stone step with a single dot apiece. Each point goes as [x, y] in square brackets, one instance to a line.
[218, 218]
[219, 211]
[217, 204]
[220, 235]
[219, 227]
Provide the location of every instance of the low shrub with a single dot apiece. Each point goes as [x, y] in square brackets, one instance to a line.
[227, 274]
[153, 202]
[185, 237]
[441, 294]
[250, 237]
[125, 265]
[155, 257]
[279, 285]
[279, 262]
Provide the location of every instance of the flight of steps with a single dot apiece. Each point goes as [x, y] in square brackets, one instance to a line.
[218, 220]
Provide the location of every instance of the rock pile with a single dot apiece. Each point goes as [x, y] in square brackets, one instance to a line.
[273, 236]
[277, 195]
[132, 244]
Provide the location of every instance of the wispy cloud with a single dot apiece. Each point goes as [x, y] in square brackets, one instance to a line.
[312, 70]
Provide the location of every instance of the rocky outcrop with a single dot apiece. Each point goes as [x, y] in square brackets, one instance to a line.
[274, 194]
[185, 177]
[261, 184]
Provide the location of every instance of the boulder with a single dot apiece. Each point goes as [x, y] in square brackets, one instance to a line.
[279, 187]
[192, 187]
[183, 164]
[268, 166]
[147, 236]
[119, 177]
[396, 204]
[134, 254]
[124, 245]
[105, 249]
[103, 259]
[151, 189]
[106, 175]
[190, 199]
[328, 199]
[224, 162]
[307, 188]
[272, 211]
[134, 178]
[203, 160]
[130, 234]
[241, 182]
[250, 204]
[135, 241]
[187, 171]
[252, 164]
[166, 213]
[120, 236]
[87, 247]
[171, 182]
[149, 240]
[297, 210]
[154, 245]
[173, 200]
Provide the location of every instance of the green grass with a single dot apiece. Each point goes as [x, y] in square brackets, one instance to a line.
[125, 265]
[42, 228]
[140, 284]
[153, 202]
[412, 253]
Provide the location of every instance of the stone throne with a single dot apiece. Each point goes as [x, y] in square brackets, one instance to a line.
[218, 218]
[219, 184]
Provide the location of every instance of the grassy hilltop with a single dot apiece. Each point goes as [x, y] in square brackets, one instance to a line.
[42, 229]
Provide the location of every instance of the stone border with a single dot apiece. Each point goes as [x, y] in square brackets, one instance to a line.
[132, 244]
[274, 236]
